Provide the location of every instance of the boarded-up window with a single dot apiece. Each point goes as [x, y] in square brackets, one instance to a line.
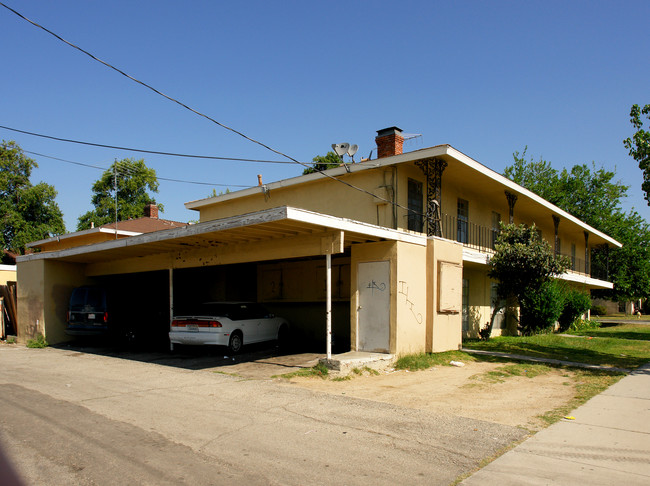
[450, 282]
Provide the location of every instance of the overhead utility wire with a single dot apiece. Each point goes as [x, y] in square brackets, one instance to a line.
[146, 85]
[130, 171]
[201, 114]
[155, 152]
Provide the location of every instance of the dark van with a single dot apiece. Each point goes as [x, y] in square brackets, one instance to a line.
[88, 311]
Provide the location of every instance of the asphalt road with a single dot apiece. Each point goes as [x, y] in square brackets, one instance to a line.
[68, 417]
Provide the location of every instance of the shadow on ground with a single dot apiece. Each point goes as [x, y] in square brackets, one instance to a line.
[259, 361]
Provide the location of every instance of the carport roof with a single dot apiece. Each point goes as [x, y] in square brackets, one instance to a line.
[270, 224]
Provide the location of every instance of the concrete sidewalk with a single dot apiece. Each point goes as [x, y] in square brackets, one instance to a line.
[607, 443]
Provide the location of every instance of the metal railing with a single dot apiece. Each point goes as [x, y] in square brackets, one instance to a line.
[483, 238]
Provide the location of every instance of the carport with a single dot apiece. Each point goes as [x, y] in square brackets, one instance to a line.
[315, 248]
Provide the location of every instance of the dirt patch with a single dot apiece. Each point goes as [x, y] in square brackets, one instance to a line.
[470, 391]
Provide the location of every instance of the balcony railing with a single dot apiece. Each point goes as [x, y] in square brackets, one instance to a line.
[483, 238]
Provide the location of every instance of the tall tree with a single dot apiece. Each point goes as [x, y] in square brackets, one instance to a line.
[639, 145]
[594, 196]
[27, 212]
[324, 162]
[537, 176]
[132, 180]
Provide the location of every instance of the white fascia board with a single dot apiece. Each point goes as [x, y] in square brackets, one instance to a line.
[513, 186]
[260, 217]
[80, 233]
[8, 268]
[348, 225]
[586, 280]
[119, 232]
[475, 256]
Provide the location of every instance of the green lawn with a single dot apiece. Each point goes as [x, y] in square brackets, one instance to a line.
[625, 346]
[639, 332]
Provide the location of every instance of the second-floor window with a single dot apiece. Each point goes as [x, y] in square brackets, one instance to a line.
[415, 205]
[463, 221]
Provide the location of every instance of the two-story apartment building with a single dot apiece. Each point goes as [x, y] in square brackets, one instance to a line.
[391, 252]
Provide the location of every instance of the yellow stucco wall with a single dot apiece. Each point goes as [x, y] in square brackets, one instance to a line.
[479, 300]
[44, 289]
[31, 303]
[443, 328]
[7, 274]
[323, 195]
[411, 298]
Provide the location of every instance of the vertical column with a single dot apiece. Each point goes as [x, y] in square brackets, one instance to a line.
[586, 253]
[512, 199]
[556, 224]
[433, 169]
[171, 294]
[328, 304]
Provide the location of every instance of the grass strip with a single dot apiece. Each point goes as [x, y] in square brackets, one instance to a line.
[604, 351]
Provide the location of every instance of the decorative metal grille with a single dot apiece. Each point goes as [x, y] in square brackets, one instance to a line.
[433, 169]
[512, 199]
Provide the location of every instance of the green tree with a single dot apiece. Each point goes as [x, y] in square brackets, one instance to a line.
[639, 145]
[539, 177]
[522, 266]
[324, 162]
[134, 181]
[28, 212]
[594, 196]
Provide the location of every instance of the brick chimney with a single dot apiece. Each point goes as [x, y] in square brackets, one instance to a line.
[389, 142]
[151, 211]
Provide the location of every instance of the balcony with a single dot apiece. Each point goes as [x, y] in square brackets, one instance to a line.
[483, 238]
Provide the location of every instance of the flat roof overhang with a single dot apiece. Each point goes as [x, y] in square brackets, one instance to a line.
[258, 227]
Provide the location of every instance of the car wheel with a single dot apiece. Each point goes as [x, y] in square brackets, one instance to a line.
[236, 342]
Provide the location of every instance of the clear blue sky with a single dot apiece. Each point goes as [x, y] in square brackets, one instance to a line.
[488, 78]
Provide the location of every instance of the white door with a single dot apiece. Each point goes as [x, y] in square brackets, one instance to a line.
[373, 282]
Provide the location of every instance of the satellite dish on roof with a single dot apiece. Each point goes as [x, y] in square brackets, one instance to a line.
[352, 149]
[341, 148]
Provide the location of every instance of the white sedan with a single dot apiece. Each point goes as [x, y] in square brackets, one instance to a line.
[228, 324]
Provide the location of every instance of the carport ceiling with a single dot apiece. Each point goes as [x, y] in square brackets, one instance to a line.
[271, 224]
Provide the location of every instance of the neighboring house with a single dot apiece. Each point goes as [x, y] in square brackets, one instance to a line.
[108, 232]
[396, 247]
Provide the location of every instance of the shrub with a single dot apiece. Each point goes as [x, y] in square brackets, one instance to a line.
[576, 303]
[39, 342]
[541, 309]
[598, 310]
[584, 324]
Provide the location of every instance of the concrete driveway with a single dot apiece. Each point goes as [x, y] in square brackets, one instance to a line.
[72, 417]
[260, 361]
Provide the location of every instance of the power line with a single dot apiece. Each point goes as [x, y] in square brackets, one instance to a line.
[155, 152]
[148, 86]
[352, 186]
[129, 170]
